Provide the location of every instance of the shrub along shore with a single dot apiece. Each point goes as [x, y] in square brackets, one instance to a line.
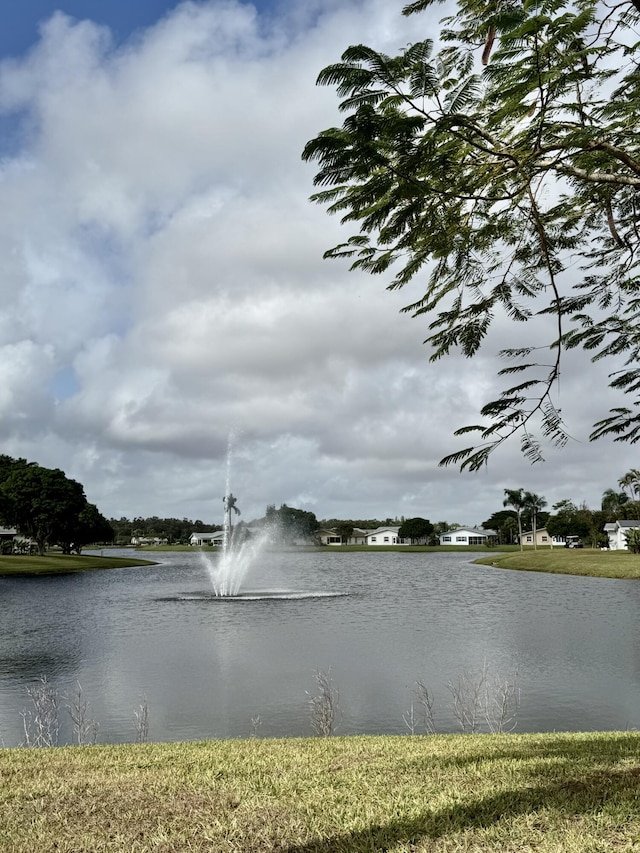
[418, 794]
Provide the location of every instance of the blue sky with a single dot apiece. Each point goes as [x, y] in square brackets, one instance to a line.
[163, 284]
[20, 19]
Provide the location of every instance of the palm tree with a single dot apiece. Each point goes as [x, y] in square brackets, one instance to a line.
[631, 481]
[230, 502]
[515, 499]
[535, 504]
[612, 501]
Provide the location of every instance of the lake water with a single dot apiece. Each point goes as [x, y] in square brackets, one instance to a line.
[378, 621]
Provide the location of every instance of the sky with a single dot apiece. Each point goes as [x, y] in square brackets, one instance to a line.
[166, 306]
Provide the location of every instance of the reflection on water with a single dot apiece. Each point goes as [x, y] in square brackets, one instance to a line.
[380, 621]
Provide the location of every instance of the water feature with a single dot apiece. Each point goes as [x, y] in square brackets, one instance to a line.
[208, 670]
[228, 569]
[240, 548]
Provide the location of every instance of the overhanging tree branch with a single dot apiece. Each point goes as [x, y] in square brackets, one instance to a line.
[436, 164]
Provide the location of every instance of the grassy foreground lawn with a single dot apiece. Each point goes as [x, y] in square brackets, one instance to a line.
[569, 561]
[509, 793]
[60, 564]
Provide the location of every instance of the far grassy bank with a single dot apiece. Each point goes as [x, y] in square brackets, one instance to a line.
[569, 561]
[57, 564]
[345, 549]
[432, 794]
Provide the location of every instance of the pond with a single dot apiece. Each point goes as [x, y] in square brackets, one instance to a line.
[378, 621]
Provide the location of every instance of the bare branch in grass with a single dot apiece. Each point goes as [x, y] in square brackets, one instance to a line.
[479, 698]
[324, 705]
[502, 703]
[85, 727]
[141, 721]
[256, 722]
[420, 716]
[41, 724]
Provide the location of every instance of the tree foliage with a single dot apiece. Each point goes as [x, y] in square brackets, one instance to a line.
[503, 171]
[291, 525]
[415, 529]
[45, 505]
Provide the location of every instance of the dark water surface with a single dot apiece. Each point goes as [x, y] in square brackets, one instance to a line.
[380, 621]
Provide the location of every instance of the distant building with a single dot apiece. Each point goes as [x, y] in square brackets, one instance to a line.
[543, 537]
[148, 540]
[468, 536]
[199, 539]
[380, 536]
[617, 532]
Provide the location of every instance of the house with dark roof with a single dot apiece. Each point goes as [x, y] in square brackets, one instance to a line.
[617, 532]
[468, 536]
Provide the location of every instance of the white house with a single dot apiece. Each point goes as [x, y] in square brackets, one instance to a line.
[380, 536]
[617, 530]
[384, 536]
[543, 537]
[199, 539]
[148, 540]
[468, 536]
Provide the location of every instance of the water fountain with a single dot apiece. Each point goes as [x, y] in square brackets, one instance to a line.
[241, 549]
[239, 552]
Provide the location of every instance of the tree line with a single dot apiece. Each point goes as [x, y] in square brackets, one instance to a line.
[175, 530]
[569, 518]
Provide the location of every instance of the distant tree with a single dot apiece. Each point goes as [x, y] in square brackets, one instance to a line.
[633, 541]
[415, 529]
[89, 526]
[516, 499]
[596, 535]
[42, 503]
[295, 525]
[362, 524]
[631, 482]
[569, 520]
[534, 503]
[612, 502]
[345, 531]
[505, 523]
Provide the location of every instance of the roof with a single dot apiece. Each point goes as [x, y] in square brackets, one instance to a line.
[477, 531]
[385, 529]
[214, 534]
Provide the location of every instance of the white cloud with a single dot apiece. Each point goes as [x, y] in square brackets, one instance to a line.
[163, 283]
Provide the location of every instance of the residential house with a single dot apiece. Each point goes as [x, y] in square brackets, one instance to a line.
[11, 542]
[148, 540]
[385, 536]
[543, 538]
[617, 532]
[468, 536]
[330, 536]
[199, 539]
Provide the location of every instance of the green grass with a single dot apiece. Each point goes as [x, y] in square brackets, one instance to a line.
[569, 561]
[60, 564]
[507, 793]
